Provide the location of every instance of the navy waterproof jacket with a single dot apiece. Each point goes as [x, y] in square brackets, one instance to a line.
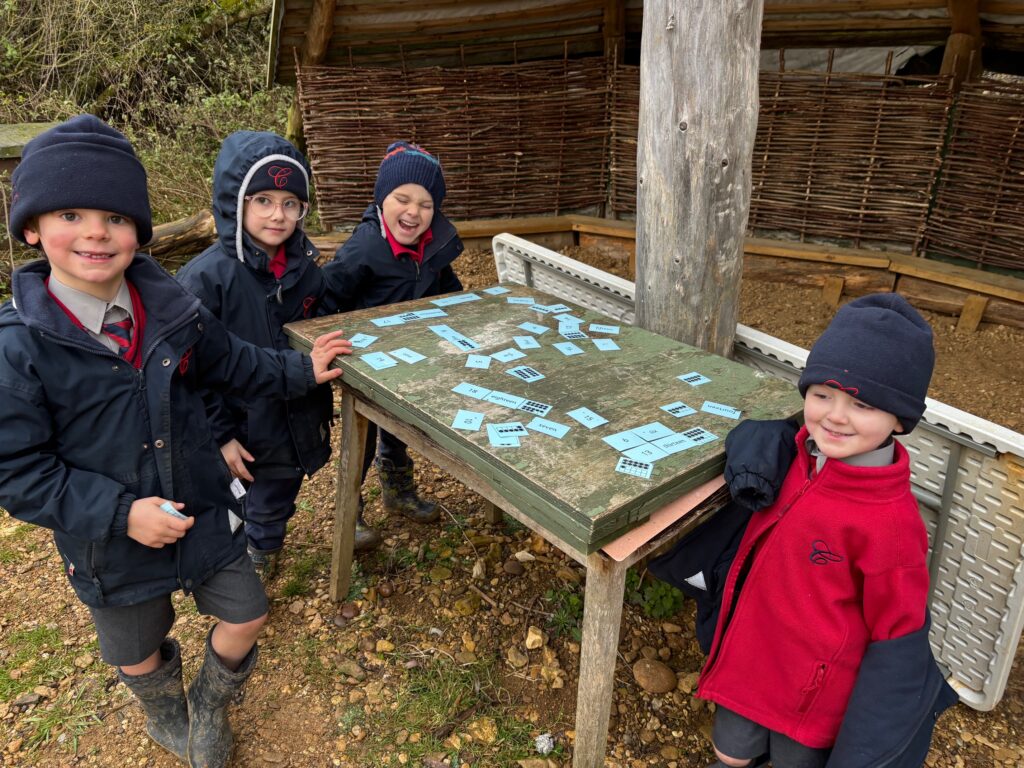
[365, 273]
[286, 438]
[83, 433]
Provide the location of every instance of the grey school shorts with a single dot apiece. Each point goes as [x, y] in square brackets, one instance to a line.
[130, 634]
[736, 736]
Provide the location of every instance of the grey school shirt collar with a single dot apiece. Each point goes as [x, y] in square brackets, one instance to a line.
[882, 456]
[90, 311]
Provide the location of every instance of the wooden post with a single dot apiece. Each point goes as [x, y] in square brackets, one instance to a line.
[318, 38]
[962, 58]
[832, 290]
[972, 313]
[615, 29]
[346, 495]
[698, 117]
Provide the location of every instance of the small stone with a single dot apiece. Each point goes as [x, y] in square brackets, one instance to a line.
[83, 661]
[670, 753]
[272, 757]
[517, 658]
[483, 730]
[26, 700]
[480, 569]
[523, 556]
[688, 682]
[296, 607]
[654, 676]
[670, 629]
[440, 573]
[386, 646]
[567, 575]
[385, 589]
[350, 668]
[465, 657]
[513, 568]
[468, 604]
[349, 610]
[649, 652]
[535, 638]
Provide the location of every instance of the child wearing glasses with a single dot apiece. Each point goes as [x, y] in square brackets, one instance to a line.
[260, 274]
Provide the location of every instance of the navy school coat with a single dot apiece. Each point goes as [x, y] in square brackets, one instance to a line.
[83, 433]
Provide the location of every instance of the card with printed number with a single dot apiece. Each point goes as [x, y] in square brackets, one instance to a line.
[526, 342]
[533, 328]
[567, 348]
[606, 345]
[471, 390]
[469, 421]
[623, 441]
[507, 355]
[379, 360]
[407, 355]
[362, 340]
[478, 361]
[587, 417]
[496, 290]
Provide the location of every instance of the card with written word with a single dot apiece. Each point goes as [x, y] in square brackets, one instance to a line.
[520, 300]
[478, 361]
[721, 410]
[454, 337]
[552, 428]
[469, 421]
[407, 355]
[587, 417]
[674, 443]
[426, 314]
[471, 390]
[611, 330]
[378, 360]
[505, 399]
[461, 298]
[507, 355]
[652, 431]
[567, 348]
[362, 340]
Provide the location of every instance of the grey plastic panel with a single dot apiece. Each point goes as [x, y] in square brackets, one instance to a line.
[968, 476]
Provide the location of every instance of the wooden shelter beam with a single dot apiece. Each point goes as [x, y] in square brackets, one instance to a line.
[962, 58]
[698, 118]
[314, 51]
[615, 29]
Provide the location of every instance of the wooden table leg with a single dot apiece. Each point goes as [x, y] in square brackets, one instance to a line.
[602, 612]
[346, 496]
[492, 513]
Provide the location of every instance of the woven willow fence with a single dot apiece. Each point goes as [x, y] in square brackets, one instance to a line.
[979, 200]
[514, 140]
[861, 158]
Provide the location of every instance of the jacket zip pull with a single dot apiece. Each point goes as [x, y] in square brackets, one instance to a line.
[279, 299]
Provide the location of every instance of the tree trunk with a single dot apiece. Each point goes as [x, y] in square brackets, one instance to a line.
[184, 237]
[698, 117]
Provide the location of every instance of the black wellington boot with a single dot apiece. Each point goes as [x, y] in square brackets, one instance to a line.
[398, 493]
[209, 738]
[163, 700]
[367, 538]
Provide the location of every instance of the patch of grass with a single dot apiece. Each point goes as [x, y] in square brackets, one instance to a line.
[655, 598]
[64, 719]
[302, 572]
[40, 657]
[567, 612]
[319, 670]
[14, 541]
[440, 698]
[359, 582]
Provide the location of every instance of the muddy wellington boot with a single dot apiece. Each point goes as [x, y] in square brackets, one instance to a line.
[163, 700]
[265, 563]
[367, 538]
[209, 738]
[398, 493]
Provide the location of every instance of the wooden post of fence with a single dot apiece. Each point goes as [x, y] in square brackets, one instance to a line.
[698, 117]
[314, 51]
[962, 58]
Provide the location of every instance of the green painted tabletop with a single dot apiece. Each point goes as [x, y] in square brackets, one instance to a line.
[570, 484]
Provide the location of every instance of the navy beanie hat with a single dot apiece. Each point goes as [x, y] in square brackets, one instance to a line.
[81, 163]
[285, 175]
[407, 163]
[878, 349]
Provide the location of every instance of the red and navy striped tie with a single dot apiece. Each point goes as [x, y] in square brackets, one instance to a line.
[121, 333]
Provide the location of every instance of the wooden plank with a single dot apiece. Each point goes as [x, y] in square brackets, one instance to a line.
[597, 226]
[817, 252]
[971, 314]
[856, 281]
[974, 280]
[832, 291]
[949, 300]
[14, 136]
[517, 226]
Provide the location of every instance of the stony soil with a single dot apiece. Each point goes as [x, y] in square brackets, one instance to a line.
[326, 673]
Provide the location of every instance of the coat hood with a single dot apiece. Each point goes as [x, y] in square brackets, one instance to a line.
[242, 154]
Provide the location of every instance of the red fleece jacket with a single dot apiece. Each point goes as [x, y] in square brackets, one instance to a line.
[837, 562]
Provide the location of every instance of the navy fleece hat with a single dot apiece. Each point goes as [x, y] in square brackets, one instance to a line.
[81, 163]
[285, 175]
[879, 350]
[407, 163]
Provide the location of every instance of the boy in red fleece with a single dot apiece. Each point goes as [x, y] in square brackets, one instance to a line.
[838, 562]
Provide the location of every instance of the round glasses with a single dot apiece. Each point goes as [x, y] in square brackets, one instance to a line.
[263, 206]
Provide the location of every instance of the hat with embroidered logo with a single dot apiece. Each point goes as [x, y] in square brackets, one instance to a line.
[280, 172]
[878, 349]
[80, 163]
[407, 163]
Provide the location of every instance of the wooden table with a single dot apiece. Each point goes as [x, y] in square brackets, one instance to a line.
[566, 490]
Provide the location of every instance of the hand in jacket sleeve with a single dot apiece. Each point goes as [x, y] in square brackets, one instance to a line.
[758, 455]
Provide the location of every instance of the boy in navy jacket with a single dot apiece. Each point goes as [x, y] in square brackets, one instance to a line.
[402, 250]
[260, 274]
[104, 438]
